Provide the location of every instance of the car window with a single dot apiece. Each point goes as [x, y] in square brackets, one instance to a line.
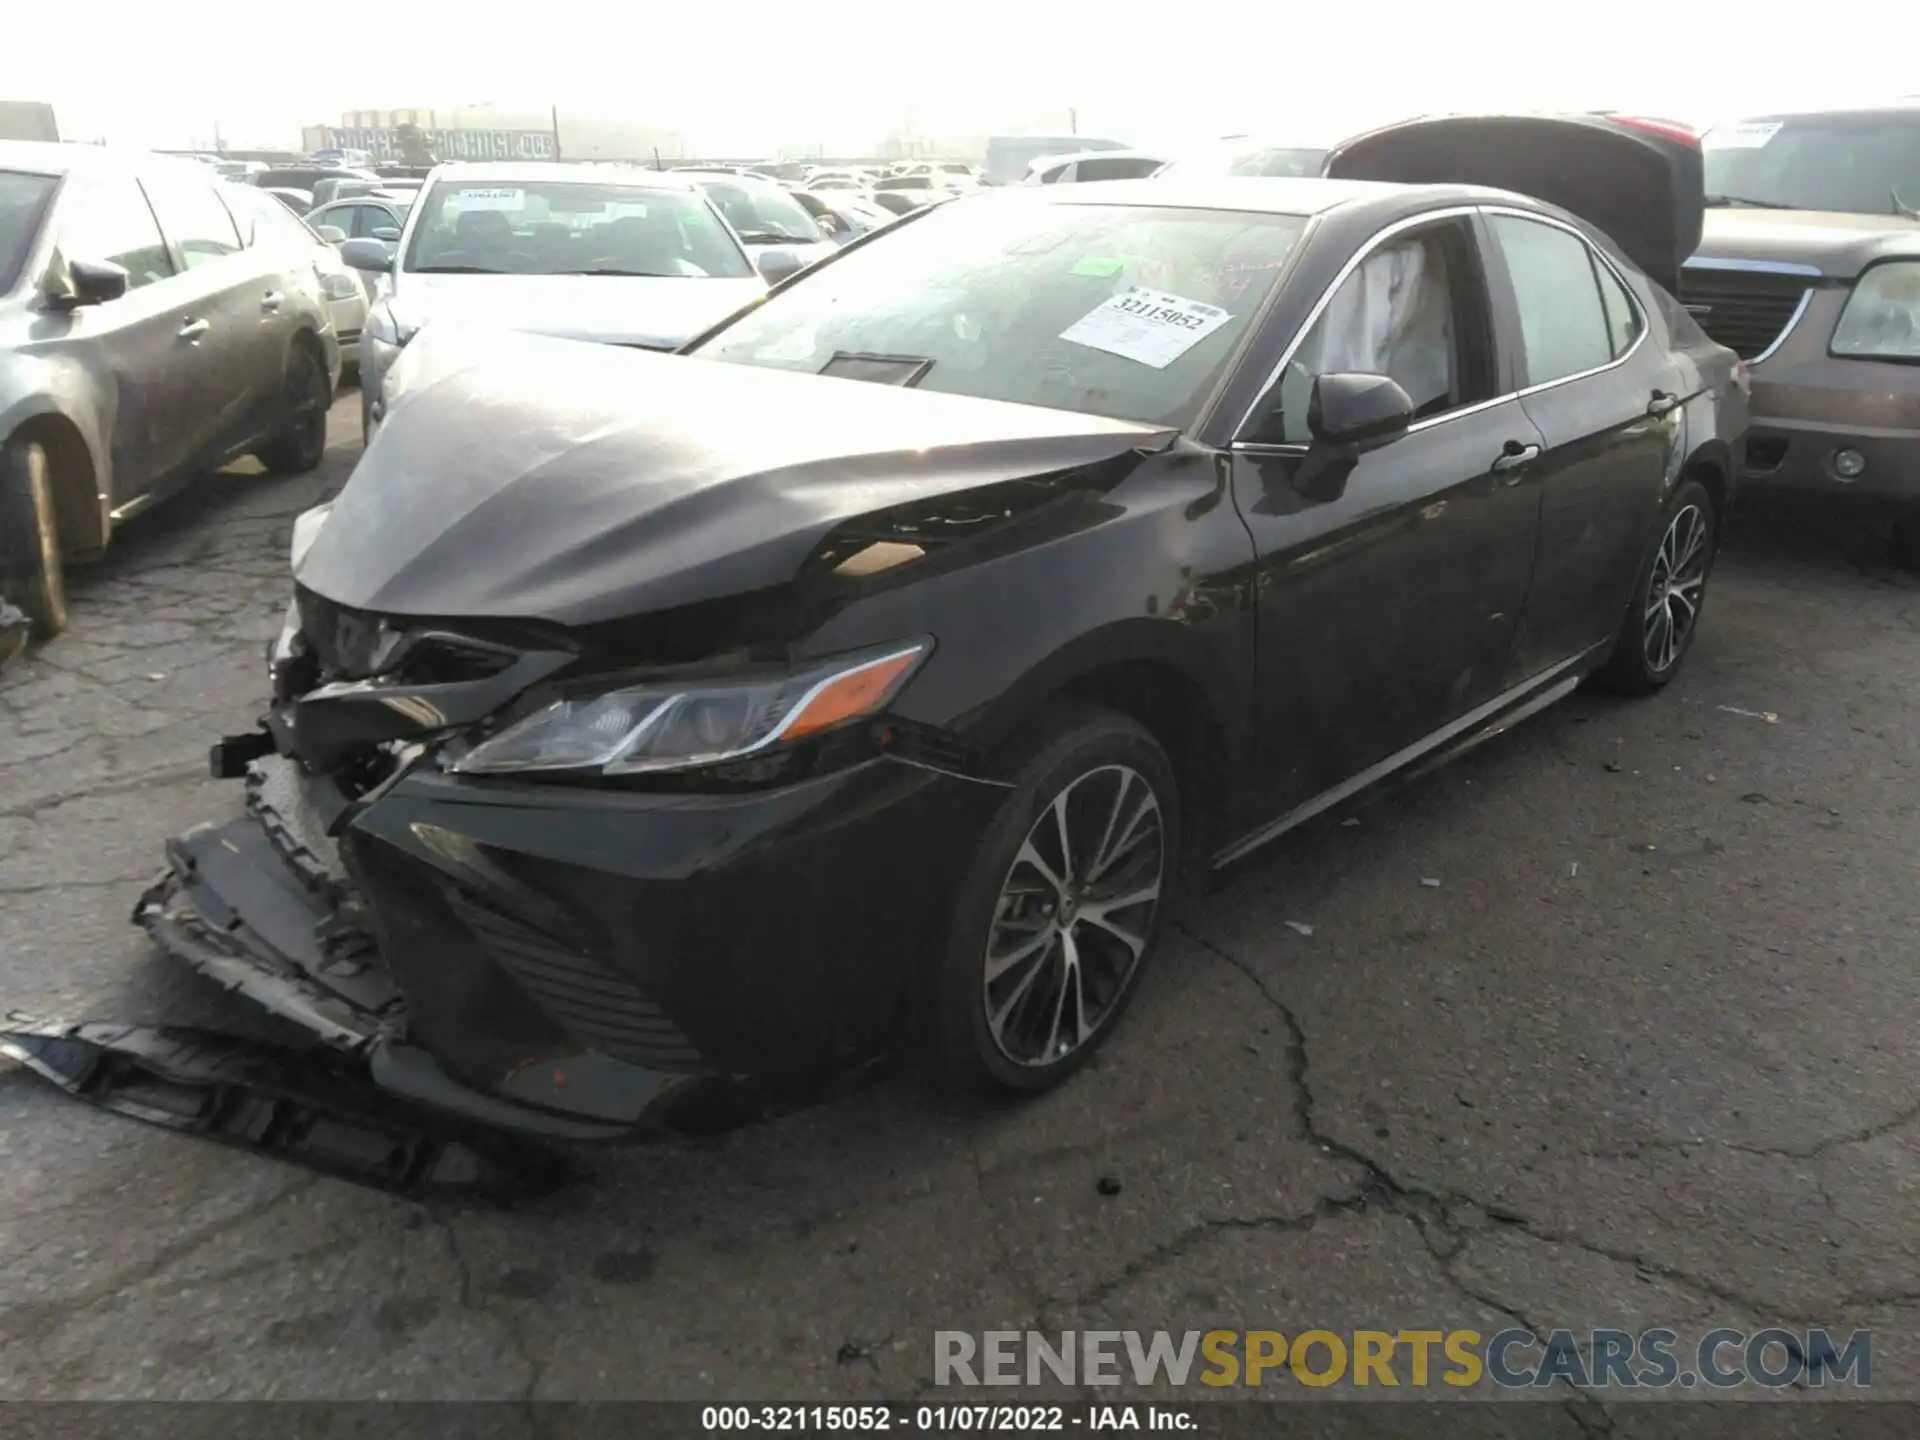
[1128, 167]
[1866, 163]
[1623, 316]
[23, 200]
[1563, 323]
[1132, 312]
[762, 213]
[1395, 316]
[192, 217]
[110, 220]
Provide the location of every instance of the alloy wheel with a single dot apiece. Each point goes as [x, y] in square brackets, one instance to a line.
[1675, 589]
[1073, 915]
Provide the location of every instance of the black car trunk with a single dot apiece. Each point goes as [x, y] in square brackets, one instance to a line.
[1643, 188]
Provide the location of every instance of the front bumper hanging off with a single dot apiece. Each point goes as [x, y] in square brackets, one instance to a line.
[263, 906]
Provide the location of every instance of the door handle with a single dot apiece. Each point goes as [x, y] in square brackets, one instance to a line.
[271, 300]
[1661, 403]
[194, 331]
[1515, 455]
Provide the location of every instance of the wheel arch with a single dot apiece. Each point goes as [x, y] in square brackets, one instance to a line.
[76, 474]
[1138, 669]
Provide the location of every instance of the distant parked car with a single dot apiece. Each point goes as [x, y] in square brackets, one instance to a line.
[151, 328]
[905, 202]
[1095, 165]
[296, 200]
[767, 218]
[587, 252]
[1809, 267]
[307, 177]
[843, 216]
[1249, 155]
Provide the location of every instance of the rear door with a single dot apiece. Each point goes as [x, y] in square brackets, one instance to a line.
[1604, 397]
[235, 313]
[1388, 610]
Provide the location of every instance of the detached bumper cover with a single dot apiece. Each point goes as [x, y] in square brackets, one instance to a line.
[563, 959]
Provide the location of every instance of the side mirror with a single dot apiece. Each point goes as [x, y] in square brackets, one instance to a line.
[332, 234]
[1357, 412]
[92, 282]
[367, 255]
[776, 265]
[386, 233]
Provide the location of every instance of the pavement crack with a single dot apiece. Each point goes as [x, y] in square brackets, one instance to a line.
[469, 1299]
[1861, 1136]
[42, 1316]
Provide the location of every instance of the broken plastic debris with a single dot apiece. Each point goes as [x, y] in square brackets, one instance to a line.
[1767, 715]
[1430, 882]
[1575, 870]
[1299, 927]
[1349, 822]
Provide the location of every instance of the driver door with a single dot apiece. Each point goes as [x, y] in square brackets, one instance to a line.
[1388, 610]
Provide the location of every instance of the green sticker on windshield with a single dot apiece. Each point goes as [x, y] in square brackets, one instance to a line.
[1098, 266]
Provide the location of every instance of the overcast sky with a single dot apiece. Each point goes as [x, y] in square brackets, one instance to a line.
[748, 76]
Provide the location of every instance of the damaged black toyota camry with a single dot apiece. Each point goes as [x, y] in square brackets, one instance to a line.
[874, 668]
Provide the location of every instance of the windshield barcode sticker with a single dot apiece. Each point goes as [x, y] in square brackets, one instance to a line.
[488, 200]
[1151, 327]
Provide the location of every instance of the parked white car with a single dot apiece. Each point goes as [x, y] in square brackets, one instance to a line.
[587, 252]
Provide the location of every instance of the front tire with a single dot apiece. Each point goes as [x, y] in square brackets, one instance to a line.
[1058, 912]
[301, 444]
[1664, 613]
[31, 573]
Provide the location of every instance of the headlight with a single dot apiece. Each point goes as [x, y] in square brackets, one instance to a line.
[306, 529]
[384, 325]
[338, 287]
[1882, 317]
[677, 727]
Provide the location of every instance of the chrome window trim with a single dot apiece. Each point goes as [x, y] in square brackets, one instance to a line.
[1806, 299]
[1764, 267]
[1451, 213]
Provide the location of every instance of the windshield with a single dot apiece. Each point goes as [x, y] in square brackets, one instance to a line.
[762, 214]
[546, 227]
[1850, 163]
[23, 199]
[1250, 159]
[1131, 312]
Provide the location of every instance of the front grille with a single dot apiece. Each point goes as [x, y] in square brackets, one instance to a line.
[604, 1010]
[1745, 310]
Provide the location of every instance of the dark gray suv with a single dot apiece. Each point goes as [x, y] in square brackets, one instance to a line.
[151, 328]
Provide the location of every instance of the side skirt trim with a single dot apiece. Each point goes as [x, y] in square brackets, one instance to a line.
[1523, 700]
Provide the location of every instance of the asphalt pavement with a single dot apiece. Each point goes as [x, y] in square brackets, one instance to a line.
[1611, 1022]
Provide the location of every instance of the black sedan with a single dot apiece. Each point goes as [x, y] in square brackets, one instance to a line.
[881, 668]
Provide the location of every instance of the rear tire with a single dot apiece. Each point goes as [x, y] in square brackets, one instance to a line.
[1664, 614]
[1057, 914]
[302, 442]
[31, 572]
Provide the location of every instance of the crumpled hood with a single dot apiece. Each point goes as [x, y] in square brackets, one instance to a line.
[1839, 246]
[522, 477]
[612, 309]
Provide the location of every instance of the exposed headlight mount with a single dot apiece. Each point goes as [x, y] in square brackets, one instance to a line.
[1882, 318]
[670, 725]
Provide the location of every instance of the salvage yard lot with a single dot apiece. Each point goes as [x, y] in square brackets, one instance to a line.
[1644, 1056]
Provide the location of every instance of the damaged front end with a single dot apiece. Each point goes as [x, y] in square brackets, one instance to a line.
[269, 905]
[582, 779]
